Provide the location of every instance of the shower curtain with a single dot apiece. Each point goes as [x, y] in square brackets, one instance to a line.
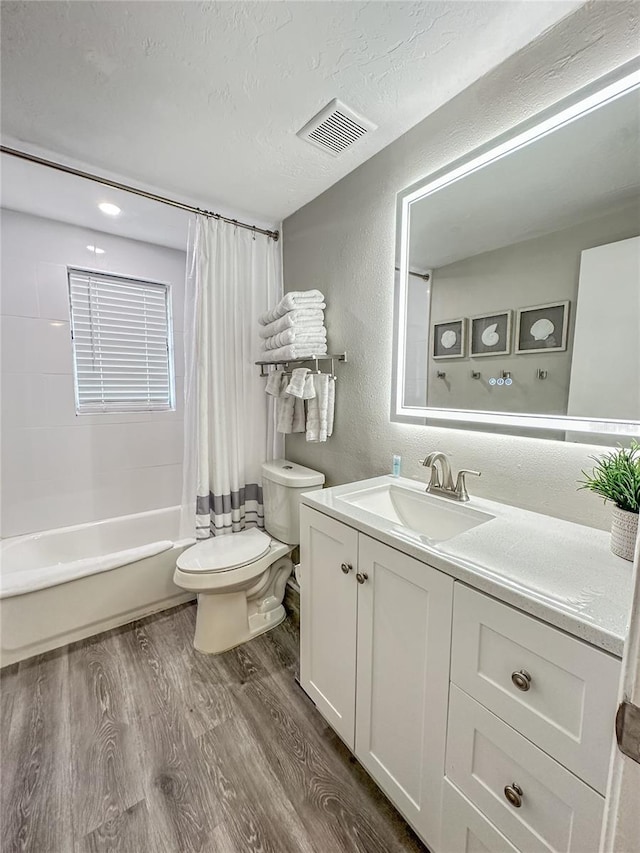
[233, 275]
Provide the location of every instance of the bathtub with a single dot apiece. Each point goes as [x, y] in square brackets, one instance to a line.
[63, 585]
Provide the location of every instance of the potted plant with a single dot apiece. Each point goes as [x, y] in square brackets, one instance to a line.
[616, 478]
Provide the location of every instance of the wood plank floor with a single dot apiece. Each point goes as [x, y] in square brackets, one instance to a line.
[134, 742]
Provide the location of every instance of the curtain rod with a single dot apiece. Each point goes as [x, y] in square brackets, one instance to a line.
[424, 275]
[14, 152]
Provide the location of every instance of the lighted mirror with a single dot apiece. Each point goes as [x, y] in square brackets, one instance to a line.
[518, 278]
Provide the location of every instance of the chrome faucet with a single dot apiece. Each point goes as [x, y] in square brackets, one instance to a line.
[442, 483]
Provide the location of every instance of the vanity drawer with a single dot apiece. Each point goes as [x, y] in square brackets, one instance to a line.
[465, 829]
[566, 698]
[558, 813]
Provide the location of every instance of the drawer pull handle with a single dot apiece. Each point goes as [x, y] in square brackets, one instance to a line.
[513, 793]
[521, 679]
[361, 577]
[346, 568]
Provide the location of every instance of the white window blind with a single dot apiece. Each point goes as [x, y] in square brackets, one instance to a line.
[122, 346]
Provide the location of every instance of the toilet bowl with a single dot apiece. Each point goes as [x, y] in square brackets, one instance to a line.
[240, 578]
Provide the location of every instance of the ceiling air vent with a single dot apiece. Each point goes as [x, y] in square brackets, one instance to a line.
[335, 128]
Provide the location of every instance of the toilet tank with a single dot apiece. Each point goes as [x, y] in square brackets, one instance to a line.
[282, 484]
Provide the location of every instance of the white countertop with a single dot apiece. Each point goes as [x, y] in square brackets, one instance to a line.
[561, 572]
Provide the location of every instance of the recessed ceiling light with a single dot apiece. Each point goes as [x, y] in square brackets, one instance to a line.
[109, 209]
[95, 250]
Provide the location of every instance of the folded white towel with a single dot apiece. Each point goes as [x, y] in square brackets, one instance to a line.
[292, 351]
[318, 409]
[298, 318]
[292, 336]
[291, 301]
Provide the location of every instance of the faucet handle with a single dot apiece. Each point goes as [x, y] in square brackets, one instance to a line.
[461, 483]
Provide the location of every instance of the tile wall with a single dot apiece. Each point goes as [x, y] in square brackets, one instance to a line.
[59, 468]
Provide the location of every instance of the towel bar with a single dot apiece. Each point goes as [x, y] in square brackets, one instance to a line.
[341, 356]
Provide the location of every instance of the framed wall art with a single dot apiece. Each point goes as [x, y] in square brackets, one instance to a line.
[490, 334]
[542, 328]
[449, 339]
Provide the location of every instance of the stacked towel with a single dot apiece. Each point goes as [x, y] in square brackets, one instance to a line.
[296, 300]
[295, 327]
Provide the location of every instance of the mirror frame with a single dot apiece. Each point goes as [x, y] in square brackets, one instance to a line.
[620, 82]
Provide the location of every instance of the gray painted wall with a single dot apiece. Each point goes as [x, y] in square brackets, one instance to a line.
[343, 243]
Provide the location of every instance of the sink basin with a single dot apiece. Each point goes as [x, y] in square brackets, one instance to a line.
[436, 518]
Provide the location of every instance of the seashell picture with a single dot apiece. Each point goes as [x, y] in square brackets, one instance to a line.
[542, 328]
[449, 339]
[490, 334]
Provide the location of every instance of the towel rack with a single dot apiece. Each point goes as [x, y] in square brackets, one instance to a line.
[341, 356]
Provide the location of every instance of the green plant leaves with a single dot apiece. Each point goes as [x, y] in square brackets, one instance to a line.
[616, 477]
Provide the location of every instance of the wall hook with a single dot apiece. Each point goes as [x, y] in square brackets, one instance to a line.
[441, 374]
[475, 374]
[541, 374]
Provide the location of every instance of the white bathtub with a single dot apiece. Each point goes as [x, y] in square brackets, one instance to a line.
[62, 585]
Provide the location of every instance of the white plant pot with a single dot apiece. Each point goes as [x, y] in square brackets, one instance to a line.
[624, 530]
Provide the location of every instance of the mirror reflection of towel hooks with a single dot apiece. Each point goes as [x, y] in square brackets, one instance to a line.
[541, 374]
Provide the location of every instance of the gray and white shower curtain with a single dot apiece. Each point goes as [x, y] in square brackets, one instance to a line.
[233, 275]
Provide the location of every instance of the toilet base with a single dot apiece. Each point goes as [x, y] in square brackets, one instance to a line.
[221, 622]
[227, 619]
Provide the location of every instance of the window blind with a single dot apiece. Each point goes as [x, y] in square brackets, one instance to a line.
[121, 330]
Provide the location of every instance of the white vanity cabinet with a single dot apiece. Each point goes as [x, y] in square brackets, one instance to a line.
[489, 729]
[401, 610]
[328, 612]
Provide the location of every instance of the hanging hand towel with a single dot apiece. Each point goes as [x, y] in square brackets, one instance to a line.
[274, 383]
[331, 404]
[299, 420]
[296, 386]
[298, 319]
[284, 414]
[292, 351]
[290, 302]
[318, 409]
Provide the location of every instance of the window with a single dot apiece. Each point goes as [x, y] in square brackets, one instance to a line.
[122, 347]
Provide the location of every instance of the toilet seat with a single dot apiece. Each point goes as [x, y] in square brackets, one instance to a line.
[224, 553]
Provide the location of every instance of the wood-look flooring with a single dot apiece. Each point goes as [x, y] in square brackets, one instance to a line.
[134, 742]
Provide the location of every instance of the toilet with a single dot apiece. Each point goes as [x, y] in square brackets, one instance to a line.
[240, 578]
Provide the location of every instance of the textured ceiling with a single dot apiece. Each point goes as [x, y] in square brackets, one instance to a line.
[204, 98]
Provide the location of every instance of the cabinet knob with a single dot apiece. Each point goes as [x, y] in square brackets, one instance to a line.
[521, 679]
[513, 793]
[346, 568]
[361, 577]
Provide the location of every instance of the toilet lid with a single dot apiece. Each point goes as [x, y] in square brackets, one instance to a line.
[221, 553]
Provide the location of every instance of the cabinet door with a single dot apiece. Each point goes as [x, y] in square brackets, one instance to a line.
[328, 618]
[404, 638]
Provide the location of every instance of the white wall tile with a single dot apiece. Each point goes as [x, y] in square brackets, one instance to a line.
[18, 293]
[53, 291]
[59, 468]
